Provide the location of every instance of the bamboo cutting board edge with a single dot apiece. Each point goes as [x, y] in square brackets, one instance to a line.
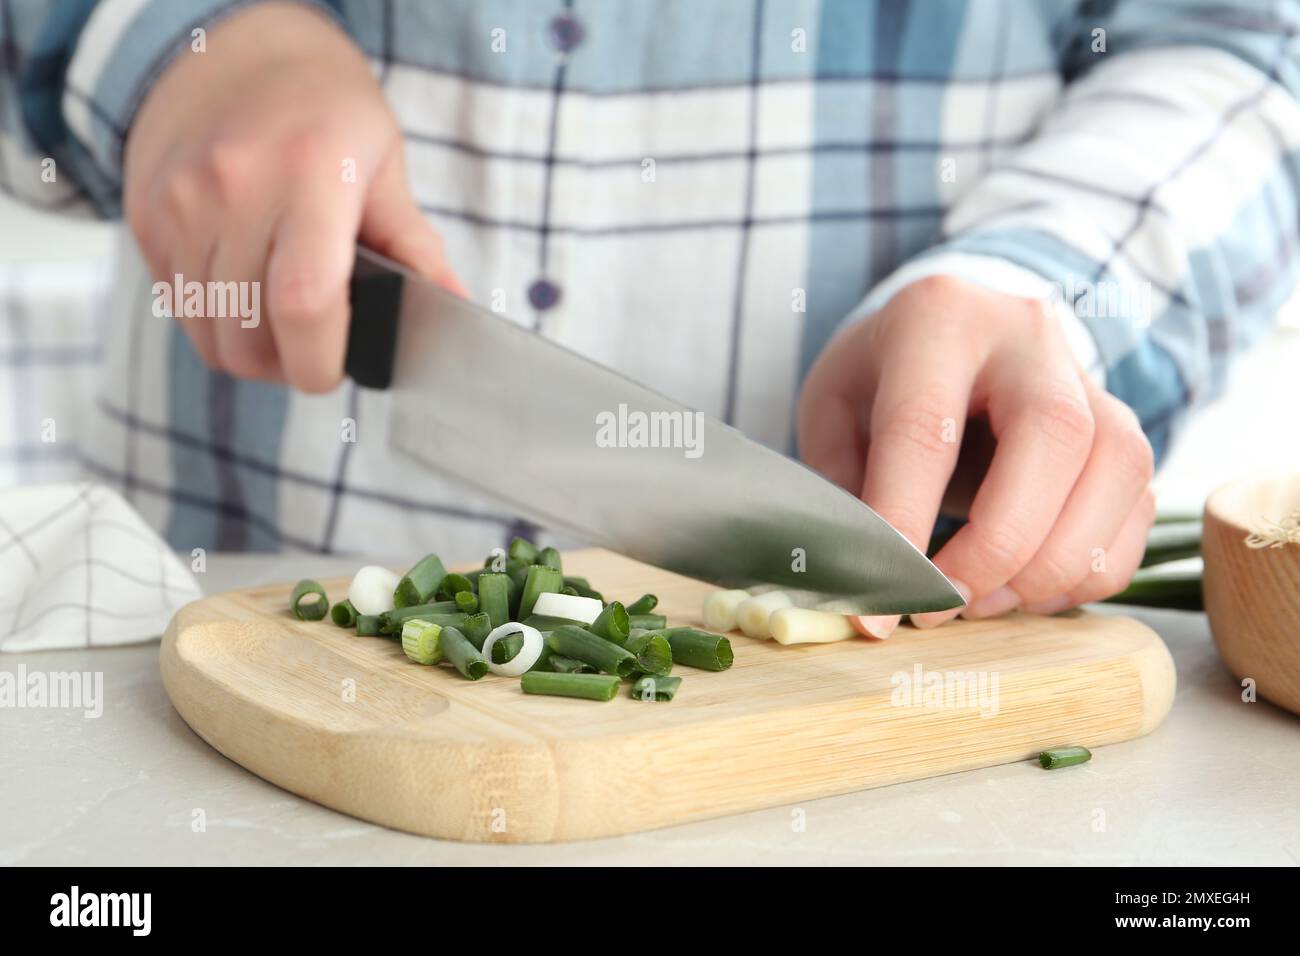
[439, 756]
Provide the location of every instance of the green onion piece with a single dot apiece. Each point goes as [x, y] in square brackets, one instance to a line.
[463, 655]
[452, 585]
[1162, 586]
[651, 622]
[394, 619]
[611, 623]
[567, 665]
[584, 588]
[696, 648]
[494, 596]
[570, 591]
[1063, 757]
[370, 625]
[581, 644]
[643, 605]
[654, 655]
[421, 583]
[467, 602]
[586, 686]
[523, 550]
[549, 558]
[540, 580]
[476, 629]
[505, 648]
[546, 623]
[421, 641]
[656, 688]
[344, 614]
[308, 610]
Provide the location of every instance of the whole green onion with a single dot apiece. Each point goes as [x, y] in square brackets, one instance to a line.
[419, 584]
[643, 605]
[308, 610]
[463, 655]
[581, 644]
[539, 580]
[651, 622]
[344, 614]
[696, 648]
[651, 687]
[494, 596]
[611, 623]
[586, 686]
[1063, 757]
[421, 641]
[654, 655]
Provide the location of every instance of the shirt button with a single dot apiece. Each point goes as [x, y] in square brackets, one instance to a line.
[543, 294]
[565, 32]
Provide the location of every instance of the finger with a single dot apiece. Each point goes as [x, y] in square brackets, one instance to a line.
[307, 273]
[188, 264]
[244, 343]
[831, 423]
[1119, 468]
[393, 225]
[1044, 429]
[1121, 560]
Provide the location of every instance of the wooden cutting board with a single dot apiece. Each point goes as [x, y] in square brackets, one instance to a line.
[350, 723]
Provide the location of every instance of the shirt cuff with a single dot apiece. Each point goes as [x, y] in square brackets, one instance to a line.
[1000, 276]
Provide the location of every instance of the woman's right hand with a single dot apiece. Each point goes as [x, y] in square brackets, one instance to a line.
[265, 159]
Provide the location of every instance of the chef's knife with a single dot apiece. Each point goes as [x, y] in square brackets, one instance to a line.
[578, 447]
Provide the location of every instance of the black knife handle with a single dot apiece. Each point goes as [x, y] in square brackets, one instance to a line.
[375, 294]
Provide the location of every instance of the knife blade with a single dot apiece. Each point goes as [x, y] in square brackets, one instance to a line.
[578, 447]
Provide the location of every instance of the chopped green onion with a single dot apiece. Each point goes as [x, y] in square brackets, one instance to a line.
[696, 648]
[421, 641]
[308, 610]
[452, 585]
[421, 583]
[539, 580]
[612, 624]
[476, 629]
[394, 619]
[463, 655]
[523, 550]
[656, 688]
[549, 558]
[581, 644]
[372, 588]
[654, 655]
[545, 622]
[569, 591]
[506, 648]
[651, 622]
[586, 686]
[494, 596]
[370, 625]
[527, 657]
[467, 602]
[344, 614]
[584, 588]
[1063, 757]
[567, 665]
[643, 605]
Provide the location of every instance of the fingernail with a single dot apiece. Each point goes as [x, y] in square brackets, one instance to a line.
[935, 618]
[879, 626]
[1049, 607]
[991, 605]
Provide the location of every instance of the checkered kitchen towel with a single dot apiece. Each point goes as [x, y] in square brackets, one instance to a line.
[80, 568]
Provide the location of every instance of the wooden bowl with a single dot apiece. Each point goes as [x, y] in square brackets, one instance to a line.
[1252, 595]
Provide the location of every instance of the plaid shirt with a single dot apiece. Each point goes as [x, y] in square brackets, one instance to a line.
[697, 193]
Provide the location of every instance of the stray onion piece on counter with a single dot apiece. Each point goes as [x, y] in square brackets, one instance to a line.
[520, 616]
[1058, 757]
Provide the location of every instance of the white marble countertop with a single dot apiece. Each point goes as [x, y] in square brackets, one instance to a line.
[1216, 784]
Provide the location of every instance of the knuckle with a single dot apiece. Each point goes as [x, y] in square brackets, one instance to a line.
[1000, 548]
[1134, 456]
[1066, 420]
[298, 298]
[919, 424]
[231, 165]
